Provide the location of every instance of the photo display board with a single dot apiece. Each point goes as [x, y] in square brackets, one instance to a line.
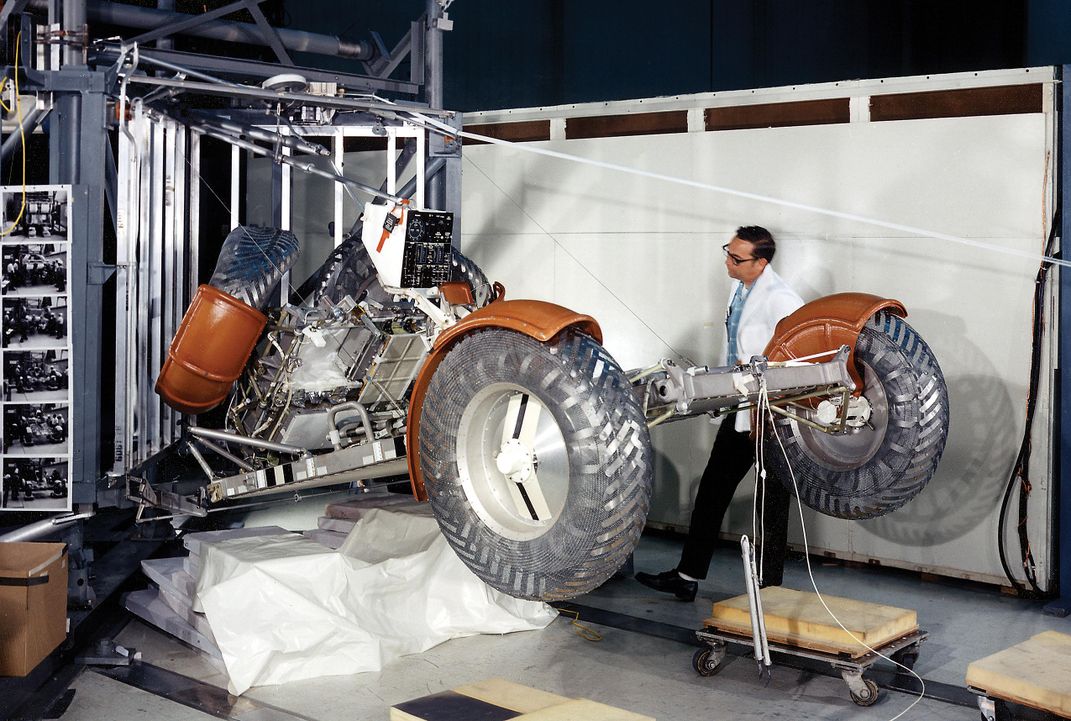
[35, 352]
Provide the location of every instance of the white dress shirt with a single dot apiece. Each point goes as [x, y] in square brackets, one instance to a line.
[768, 301]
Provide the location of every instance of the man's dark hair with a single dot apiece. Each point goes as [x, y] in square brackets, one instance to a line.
[762, 242]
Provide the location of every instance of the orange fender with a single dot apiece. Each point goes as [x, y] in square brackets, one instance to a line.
[827, 324]
[534, 318]
[209, 351]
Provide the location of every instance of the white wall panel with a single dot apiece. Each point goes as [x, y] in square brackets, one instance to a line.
[643, 256]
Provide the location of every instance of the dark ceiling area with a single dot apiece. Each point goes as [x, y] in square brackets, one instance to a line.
[550, 52]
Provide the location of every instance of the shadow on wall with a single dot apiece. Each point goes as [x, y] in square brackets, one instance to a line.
[984, 434]
[667, 492]
[802, 270]
[681, 453]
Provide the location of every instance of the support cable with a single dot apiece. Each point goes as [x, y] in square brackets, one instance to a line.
[626, 306]
[1047, 259]
[445, 129]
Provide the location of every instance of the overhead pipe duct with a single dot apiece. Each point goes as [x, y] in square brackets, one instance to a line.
[133, 16]
[145, 58]
[74, 20]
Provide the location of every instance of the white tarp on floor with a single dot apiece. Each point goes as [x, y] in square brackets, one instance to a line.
[284, 608]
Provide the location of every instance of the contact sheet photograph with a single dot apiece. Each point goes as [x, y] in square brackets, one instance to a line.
[41, 214]
[35, 428]
[35, 484]
[35, 348]
[34, 269]
[31, 376]
[35, 322]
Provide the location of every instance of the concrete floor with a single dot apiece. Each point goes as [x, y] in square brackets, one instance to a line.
[641, 673]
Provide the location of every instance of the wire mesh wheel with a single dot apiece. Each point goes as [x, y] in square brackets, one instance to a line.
[872, 470]
[537, 461]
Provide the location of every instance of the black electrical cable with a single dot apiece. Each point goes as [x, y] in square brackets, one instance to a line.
[1020, 475]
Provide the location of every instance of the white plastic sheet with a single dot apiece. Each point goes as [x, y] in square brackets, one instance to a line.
[284, 608]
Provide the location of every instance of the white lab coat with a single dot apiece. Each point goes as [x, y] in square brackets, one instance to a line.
[769, 300]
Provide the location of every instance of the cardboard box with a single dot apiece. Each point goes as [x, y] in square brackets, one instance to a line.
[33, 604]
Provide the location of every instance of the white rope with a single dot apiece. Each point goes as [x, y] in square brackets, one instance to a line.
[811, 357]
[758, 515]
[586, 269]
[763, 410]
[528, 148]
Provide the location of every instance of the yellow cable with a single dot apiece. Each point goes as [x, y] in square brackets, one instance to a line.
[585, 632]
[22, 136]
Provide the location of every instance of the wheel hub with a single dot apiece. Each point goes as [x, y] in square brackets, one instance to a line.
[515, 460]
[512, 461]
[858, 414]
[868, 417]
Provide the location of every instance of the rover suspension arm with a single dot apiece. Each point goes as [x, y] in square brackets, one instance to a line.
[672, 393]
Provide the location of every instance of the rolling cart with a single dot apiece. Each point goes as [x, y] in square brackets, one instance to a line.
[863, 691]
[798, 623]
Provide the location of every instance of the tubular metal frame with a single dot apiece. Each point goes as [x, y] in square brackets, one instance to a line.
[156, 165]
[152, 194]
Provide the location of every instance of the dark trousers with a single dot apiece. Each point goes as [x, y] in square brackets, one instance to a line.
[731, 458]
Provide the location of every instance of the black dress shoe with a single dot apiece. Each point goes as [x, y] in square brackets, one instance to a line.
[670, 582]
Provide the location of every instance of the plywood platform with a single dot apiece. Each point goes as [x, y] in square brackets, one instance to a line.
[797, 618]
[1035, 673]
[497, 700]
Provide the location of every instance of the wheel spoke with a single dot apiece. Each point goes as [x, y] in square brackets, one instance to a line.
[515, 409]
[521, 421]
[516, 457]
[529, 424]
[530, 495]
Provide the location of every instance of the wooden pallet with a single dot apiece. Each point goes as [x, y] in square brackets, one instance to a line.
[798, 618]
[1034, 673]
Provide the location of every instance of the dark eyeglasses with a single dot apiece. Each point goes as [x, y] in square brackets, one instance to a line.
[737, 260]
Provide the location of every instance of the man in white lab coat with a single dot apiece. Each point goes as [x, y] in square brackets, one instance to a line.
[758, 299]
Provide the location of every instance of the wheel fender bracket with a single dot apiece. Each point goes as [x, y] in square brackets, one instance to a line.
[826, 324]
[534, 318]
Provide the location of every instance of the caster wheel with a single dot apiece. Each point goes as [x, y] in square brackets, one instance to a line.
[868, 697]
[705, 662]
[907, 659]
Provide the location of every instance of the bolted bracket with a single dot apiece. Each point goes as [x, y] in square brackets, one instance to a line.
[99, 273]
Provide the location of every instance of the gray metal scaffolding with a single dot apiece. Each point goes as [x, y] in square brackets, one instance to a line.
[100, 93]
